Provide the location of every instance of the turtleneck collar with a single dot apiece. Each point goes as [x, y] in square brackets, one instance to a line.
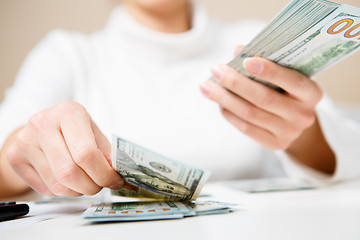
[158, 45]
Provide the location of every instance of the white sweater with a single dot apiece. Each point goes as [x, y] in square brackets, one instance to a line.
[144, 86]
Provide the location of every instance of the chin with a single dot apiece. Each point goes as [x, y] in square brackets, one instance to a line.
[160, 5]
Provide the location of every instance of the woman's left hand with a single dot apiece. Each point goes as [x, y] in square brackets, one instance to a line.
[272, 118]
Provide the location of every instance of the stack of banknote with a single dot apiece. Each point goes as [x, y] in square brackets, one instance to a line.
[153, 210]
[307, 35]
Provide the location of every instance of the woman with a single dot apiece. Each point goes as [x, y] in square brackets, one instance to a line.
[139, 78]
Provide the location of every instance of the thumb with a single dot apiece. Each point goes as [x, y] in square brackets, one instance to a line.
[102, 142]
[105, 147]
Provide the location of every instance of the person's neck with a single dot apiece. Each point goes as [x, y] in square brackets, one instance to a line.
[175, 21]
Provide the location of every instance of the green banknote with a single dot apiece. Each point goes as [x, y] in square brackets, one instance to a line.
[151, 175]
[329, 41]
[153, 210]
[307, 35]
[136, 211]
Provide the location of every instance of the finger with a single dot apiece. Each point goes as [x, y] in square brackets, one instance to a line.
[56, 152]
[262, 136]
[243, 109]
[31, 150]
[42, 167]
[63, 167]
[26, 171]
[78, 133]
[293, 82]
[238, 50]
[31, 177]
[256, 93]
[102, 142]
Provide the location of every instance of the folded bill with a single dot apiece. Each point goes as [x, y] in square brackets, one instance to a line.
[150, 175]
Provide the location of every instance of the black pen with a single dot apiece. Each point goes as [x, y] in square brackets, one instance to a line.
[11, 210]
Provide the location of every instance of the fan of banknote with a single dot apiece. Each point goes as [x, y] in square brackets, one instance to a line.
[307, 35]
[150, 175]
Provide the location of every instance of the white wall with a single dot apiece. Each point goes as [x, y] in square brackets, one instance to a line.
[24, 22]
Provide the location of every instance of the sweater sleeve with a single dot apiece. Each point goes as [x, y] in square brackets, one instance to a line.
[342, 135]
[44, 80]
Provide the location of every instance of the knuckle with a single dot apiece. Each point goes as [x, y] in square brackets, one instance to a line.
[225, 100]
[46, 193]
[250, 112]
[319, 93]
[13, 155]
[265, 98]
[68, 105]
[23, 135]
[298, 82]
[26, 138]
[308, 119]
[44, 190]
[38, 120]
[71, 108]
[60, 190]
[57, 188]
[231, 81]
[67, 175]
[85, 155]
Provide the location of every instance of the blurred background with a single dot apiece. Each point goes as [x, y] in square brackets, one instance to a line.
[23, 23]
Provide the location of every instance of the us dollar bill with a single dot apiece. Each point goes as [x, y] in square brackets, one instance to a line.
[136, 211]
[151, 175]
[307, 35]
[154, 210]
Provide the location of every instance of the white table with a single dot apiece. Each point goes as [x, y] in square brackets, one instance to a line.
[328, 213]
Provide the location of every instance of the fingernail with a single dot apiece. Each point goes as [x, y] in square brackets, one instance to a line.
[117, 186]
[253, 66]
[206, 89]
[218, 73]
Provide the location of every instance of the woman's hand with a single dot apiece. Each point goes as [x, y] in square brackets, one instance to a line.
[272, 118]
[62, 152]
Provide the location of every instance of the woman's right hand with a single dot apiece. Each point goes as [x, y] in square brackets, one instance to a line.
[62, 152]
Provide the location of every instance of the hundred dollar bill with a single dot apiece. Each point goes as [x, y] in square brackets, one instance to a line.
[308, 36]
[136, 211]
[328, 42]
[153, 210]
[150, 175]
